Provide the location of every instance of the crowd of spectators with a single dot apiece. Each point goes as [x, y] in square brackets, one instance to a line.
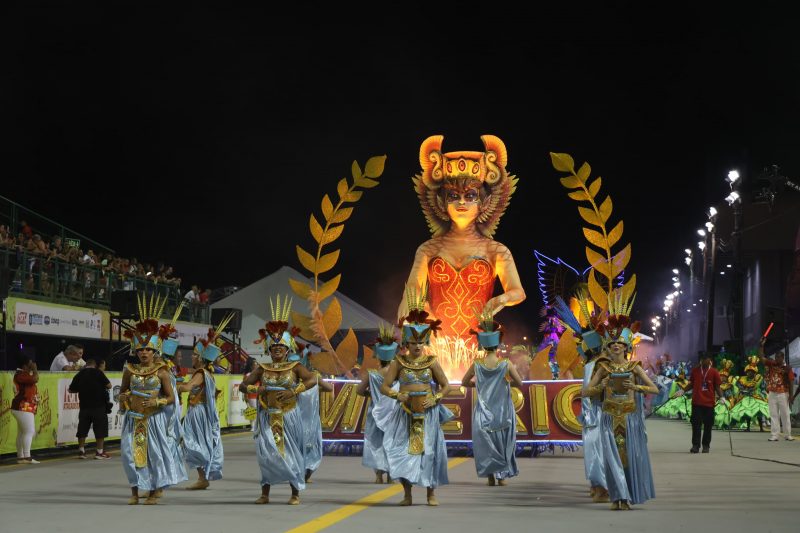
[48, 266]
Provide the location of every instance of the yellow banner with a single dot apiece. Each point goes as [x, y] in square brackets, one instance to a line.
[51, 404]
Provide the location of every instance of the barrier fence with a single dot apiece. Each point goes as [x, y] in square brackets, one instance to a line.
[546, 411]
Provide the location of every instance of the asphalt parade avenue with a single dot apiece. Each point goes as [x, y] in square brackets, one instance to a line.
[717, 492]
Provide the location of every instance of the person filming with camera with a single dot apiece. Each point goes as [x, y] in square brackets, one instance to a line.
[92, 386]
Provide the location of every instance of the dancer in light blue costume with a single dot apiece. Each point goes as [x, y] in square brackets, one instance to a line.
[169, 346]
[589, 345]
[202, 439]
[494, 419]
[147, 441]
[279, 428]
[412, 433]
[622, 384]
[374, 456]
[308, 403]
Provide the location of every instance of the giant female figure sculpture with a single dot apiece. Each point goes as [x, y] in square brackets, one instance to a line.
[463, 195]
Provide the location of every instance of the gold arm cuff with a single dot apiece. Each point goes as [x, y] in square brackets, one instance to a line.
[161, 402]
[300, 388]
[591, 391]
[392, 394]
[252, 388]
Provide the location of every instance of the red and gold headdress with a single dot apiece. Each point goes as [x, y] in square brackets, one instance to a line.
[146, 333]
[277, 330]
[416, 325]
[485, 169]
[618, 327]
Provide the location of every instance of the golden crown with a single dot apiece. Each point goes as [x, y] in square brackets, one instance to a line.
[470, 165]
[488, 166]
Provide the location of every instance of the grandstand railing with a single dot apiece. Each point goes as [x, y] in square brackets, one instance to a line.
[86, 285]
[12, 213]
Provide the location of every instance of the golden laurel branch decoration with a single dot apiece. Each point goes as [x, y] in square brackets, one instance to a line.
[608, 264]
[322, 325]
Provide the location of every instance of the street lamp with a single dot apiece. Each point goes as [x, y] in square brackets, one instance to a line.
[701, 232]
[734, 199]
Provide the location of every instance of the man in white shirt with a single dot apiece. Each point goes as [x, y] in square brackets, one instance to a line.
[191, 296]
[191, 301]
[68, 360]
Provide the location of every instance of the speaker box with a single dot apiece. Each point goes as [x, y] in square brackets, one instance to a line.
[235, 325]
[124, 304]
[5, 281]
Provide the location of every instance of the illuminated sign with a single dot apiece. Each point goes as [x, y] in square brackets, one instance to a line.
[546, 411]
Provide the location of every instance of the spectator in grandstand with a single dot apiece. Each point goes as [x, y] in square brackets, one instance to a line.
[90, 258]
[30, 245]
[69, 360]
[25, 229]
[23, 408]
[191, 299]
[91, 385]
[73, 259]
[191, 296]
[203, 297]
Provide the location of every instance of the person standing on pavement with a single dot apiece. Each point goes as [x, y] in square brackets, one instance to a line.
[23, 408]
[705, 382]
[91, 385]
[779, 378]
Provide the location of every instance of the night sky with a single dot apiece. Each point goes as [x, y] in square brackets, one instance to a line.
[206, 138]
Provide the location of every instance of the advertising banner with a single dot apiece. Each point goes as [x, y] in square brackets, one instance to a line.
[546, 410]
[28, 316]
[69, 407]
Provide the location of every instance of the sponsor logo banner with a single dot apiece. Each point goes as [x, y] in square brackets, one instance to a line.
[63, 321]
[69, 408]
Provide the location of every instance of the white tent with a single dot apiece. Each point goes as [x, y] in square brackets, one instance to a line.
[253, 300]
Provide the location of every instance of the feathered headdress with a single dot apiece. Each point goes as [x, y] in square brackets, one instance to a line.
[166, 332]
[485, 170]
[386, 343]
[491, 334]
[207, 348]
[618, 327]
[416, 325]
[588, 339]
[146, 333]
[277, 331]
